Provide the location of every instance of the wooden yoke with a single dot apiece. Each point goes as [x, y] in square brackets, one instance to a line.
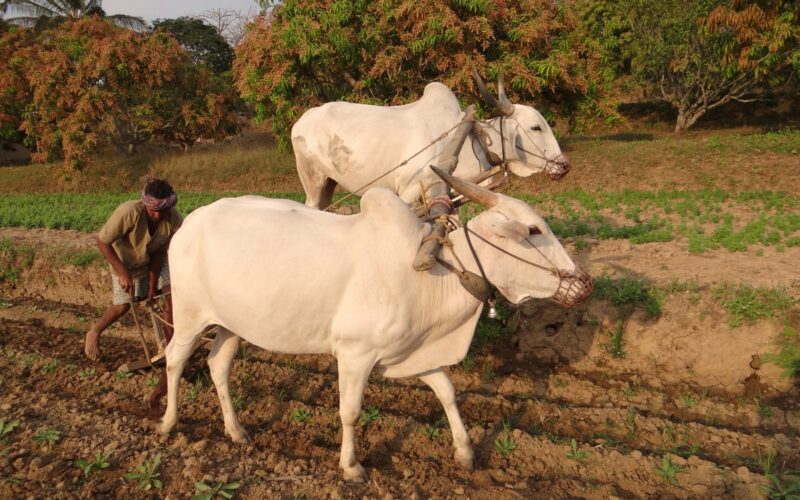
[437, 195]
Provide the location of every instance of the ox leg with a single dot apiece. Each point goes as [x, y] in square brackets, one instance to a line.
[352, 380]
[176, 355]
[314, 182]
[443, 388]
[220, 360]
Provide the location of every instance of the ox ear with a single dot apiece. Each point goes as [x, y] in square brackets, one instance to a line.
[472, 191]
[511, 229]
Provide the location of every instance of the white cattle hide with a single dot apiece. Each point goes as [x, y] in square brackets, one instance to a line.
[292, 279]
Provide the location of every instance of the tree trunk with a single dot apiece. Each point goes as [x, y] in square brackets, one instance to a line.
[687, 118]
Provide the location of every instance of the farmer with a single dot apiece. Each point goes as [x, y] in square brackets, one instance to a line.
[134, 241]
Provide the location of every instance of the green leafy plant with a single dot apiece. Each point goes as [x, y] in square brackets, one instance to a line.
[505, 444]
[7, 428]
[668, 470]
[151, 381]
[574, 453]
[238, 402]
[194, 390]
[369, 415]
[145, 474]
[616, 345]
[745, 303]
[88, 372]
[300, 415]
[46, 437]
[788, 357]
[221, 490]
[782, 486]
[122, 375]
[431, 431]
[688, 401]
[99, 463]
[51, 366]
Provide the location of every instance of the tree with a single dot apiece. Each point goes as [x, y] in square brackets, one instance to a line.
[30, 12]
[15, 93]
[202, 41]
[310, 52]
[93, 84]
[230, 23]
[698, 55]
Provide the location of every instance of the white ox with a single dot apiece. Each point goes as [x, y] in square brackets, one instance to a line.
[292, 279]
[354, 145]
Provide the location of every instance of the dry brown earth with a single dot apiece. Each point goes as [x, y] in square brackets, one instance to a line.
[690, 388]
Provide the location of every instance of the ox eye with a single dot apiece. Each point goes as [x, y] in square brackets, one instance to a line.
[536, 128]
[532, 230]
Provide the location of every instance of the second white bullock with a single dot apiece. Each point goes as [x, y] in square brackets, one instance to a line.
[291, 279]
[358, 146]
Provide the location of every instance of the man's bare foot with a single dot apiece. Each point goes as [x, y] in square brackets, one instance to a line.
[90, 345]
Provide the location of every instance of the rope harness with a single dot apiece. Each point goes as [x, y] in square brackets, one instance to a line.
[573, 286]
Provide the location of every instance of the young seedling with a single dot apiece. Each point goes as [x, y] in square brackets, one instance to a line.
[99, 463]
[576, 454]
[688, 401]
[668, 470]
[6, 429]
[786, 485]
[88, 372]
[431, 431]
[51, 366]
[300, 415]
[505, 444]
[221, 490]
[146, 475]
[615, 345]
[46, 437]
[123, 375]
[151, 381]
[194, 390]
[238, 402]
[369, 415]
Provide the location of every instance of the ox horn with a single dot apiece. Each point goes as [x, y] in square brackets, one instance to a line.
[472, 191]
[504, 106]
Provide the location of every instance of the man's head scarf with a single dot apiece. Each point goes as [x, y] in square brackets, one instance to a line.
[154, 203]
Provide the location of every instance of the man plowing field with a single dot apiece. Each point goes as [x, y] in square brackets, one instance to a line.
[134, 241]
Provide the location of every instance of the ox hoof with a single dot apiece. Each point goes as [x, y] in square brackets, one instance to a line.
[355, 474]
[239, 437]
[466, 460]
[165, 428]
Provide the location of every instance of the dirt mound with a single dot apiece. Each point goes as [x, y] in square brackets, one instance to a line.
[679, 405]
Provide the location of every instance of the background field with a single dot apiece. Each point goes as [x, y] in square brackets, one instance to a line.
[678, 377]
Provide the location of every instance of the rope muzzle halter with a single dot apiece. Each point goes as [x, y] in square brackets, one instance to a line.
[573, 286]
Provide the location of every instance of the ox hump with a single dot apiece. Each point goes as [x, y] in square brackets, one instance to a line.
[384, 208]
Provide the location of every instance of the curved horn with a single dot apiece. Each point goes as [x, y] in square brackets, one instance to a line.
[504, 105]
[472, 191]
[487, 97]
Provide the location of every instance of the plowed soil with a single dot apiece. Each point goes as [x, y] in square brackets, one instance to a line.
[551, 413]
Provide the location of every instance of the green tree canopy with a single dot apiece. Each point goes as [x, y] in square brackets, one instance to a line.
[86, 84]
[44, 13]
[386, 51]
[698, 54]
[201, 41]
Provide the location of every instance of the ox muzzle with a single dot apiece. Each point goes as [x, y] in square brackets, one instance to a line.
[556, 168]
[573, 288]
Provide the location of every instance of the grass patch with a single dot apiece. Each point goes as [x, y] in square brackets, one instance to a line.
[746, 303]
[627, 293]
[788, 356]
[14, 258]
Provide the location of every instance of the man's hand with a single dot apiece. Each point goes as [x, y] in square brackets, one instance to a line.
[125, 281]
